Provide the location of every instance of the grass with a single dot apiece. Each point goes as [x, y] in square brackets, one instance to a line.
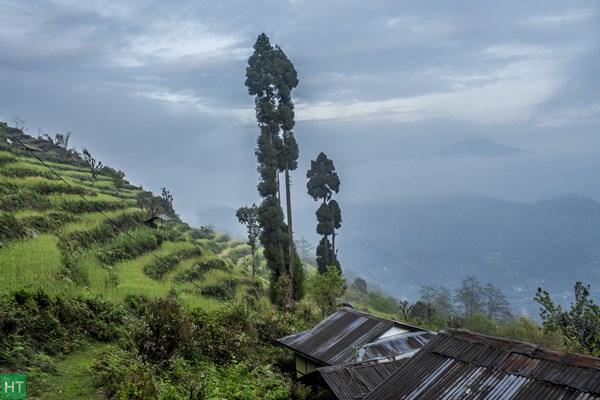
[73, 378]
[32, 263]
[58, 198]
[93, 220]
[131, 276]
[37, 262]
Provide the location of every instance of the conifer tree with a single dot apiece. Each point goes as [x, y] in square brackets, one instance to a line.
[322, 182]
[270, 78]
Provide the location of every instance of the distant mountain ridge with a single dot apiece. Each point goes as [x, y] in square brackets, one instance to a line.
[440, 240]
[478, 147]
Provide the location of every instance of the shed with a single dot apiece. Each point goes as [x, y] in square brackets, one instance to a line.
[158, 220]
[458, 364]
[342, 338]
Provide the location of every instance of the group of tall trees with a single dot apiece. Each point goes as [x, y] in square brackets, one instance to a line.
[270, 78]
[439, 305]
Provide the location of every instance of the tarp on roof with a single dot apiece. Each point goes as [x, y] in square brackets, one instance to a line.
[335, 340]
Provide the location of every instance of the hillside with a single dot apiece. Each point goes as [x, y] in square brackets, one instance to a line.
[440, 240]
[88, 286]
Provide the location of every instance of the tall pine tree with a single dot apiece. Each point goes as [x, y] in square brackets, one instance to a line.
[270, 78]
[322, 182]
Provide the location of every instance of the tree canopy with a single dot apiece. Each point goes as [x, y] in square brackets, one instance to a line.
[580, 325]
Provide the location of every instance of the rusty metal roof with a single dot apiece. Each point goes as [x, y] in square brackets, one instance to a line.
[335, 340]
[350, 381]
[458, 364]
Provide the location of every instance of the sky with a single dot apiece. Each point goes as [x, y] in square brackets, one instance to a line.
[157, 89]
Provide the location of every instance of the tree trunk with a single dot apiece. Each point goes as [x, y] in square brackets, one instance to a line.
[289, 221]
[334, 256]
[253, 264]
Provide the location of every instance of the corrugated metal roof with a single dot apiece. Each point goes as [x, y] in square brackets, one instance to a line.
[462, 365]
[350, 381]
[335, 340]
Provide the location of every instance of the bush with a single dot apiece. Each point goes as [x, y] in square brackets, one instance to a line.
[164, 328]
[24, 200]
[84, 206]
[129, 246]
[101, 234]
[11, 229]
[7, 159]
[223, 290]
[204, 232]
[159, 268]
[35, 322]
[198, 270]
[46, 188]
[120, 374]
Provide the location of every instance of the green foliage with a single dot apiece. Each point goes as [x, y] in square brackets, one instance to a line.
[86, 206]
[326, 288]
[198, 270]
[470, 297]
[106, 231]
[24, 199]
[94, 166]
[322, 178]
[35, 322]
[248, 216]
[223, 290]
[270, 78]
[580, 325]
[325, 256]
[134, 244]
[360, 285]
[118, 179]
[163, 329]
[6, 159]
[150, 203]
[382, 303]
[204, 232]
[159, 268]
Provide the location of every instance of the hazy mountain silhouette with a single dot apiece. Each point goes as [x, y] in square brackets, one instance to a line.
[442, 239]
[478, 147]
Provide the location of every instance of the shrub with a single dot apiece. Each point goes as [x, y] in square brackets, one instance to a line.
[128, 246]
[204, 232]
[6, 159]
[11, 229]
[84, 206]
[24, 199]
[163, 330]
[223, 290]
[159, 268]
[198, 270]
[120, 374]
[46, 188]
[36, 322]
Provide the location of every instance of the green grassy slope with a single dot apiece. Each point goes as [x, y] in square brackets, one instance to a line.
[56, 239]
[40, 214]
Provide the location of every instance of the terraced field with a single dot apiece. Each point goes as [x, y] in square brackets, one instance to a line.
[61, 235]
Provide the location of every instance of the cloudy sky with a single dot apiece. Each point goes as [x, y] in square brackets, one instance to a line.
[157, 89]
